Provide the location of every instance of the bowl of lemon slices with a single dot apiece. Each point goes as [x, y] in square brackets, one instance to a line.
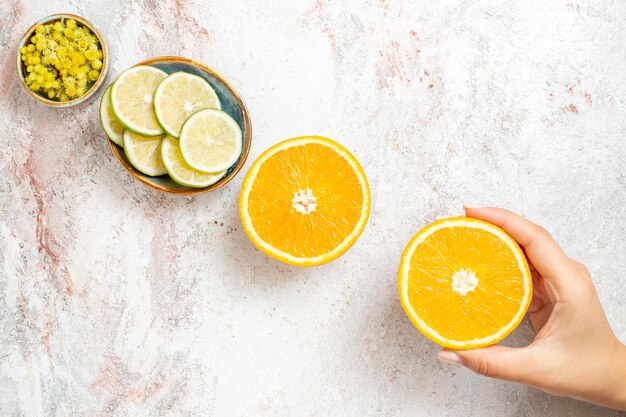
[176, 125]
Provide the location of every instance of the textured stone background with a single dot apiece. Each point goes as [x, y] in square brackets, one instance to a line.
[116, 300]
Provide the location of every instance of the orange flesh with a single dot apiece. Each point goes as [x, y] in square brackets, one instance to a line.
[481, 312]
[332, 182]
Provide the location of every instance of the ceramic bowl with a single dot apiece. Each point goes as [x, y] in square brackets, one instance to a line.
[231, 102]
[95, 88]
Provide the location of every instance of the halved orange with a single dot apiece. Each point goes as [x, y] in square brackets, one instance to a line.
[464, 283]
[305, 201]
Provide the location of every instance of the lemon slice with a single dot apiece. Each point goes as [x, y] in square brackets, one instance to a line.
[131, 99]
[210, 141]
[180, 171]
[111, 126]
[144, 153]
[179, 96]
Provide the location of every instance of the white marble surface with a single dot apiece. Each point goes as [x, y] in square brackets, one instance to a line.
[116, 300]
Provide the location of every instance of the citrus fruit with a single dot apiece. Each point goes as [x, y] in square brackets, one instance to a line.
[180, 171]
[464, 283]
[110, 125]
[210, 140]
[144, 153]
[305, 201]
[178, 97]
[131, 99]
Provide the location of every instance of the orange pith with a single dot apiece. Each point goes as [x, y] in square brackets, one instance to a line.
[464, 283]
[305, 201]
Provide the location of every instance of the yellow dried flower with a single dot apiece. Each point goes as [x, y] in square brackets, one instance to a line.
[62, 60]
[91, 55]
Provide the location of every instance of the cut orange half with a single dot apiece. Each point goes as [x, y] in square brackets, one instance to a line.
[305, 201]
[464, 283]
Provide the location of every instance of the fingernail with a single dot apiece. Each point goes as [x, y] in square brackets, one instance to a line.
[449, 357]
[470, 206]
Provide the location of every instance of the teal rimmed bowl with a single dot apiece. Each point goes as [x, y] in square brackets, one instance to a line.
[231, 102]
[95, 88]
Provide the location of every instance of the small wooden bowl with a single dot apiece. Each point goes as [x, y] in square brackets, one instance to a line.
[96, 86]
[231, 102]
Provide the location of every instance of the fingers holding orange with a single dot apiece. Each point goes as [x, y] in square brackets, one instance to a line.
[541, 249]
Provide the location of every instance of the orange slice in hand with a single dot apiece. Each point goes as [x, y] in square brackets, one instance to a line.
[464, 283]
[305, 201]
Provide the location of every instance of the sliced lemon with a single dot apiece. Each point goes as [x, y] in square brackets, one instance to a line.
[110, 125]
[131, 99]
[180, 171]
[210, 141]
[179, 96]
[144, 153]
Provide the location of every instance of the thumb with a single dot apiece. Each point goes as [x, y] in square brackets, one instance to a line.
[494, 361]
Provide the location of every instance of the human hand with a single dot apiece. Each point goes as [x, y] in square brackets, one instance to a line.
[574, 353]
